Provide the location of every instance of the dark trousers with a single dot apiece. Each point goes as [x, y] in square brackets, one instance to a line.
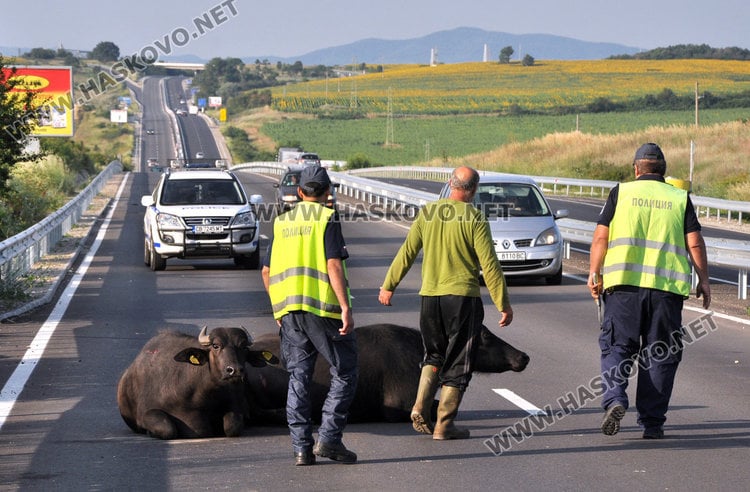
[303, 337]
[450, 326]
[643, 325]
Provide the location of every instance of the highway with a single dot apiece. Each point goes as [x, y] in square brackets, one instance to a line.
[65, 433]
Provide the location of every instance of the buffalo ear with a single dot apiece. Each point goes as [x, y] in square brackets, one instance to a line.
[261, 358]
[194, 356]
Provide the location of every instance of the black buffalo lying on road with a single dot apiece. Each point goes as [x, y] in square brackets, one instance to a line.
[389, 357]
[182, 386]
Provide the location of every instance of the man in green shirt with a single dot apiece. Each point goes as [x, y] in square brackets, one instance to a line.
[457, 244]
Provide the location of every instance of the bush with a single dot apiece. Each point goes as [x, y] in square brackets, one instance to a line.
[358, 161]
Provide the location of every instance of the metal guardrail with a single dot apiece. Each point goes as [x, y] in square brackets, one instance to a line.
[721, 252]
[19, 253]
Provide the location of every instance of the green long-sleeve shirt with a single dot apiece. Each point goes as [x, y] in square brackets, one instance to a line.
[457, 243]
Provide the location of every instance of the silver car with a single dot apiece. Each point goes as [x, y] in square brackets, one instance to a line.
[527, 240]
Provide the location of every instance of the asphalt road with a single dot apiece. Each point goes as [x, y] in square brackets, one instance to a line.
[64, 431]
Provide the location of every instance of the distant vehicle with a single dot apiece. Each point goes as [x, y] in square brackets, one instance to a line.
[309, 159]
[289, 154]
[182, 101]
[527, 240]
[150, 131]
[180, 112]
[199, 155]
[200, 214]
[192, 109]
[286, 194]
[152, 163]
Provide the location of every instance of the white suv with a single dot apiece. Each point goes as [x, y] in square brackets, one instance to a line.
[200, 214]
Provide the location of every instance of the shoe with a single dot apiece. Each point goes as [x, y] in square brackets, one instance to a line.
[612, 417]
[335, 452]
[653, 433]
[304, 458]
[450, 400]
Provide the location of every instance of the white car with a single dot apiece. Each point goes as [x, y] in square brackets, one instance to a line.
[526, 238]
[200, 214]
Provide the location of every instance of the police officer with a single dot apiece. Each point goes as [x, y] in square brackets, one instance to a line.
[305, 276]
[639, 265]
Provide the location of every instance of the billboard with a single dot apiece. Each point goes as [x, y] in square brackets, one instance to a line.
[214, 101]
[53, 100]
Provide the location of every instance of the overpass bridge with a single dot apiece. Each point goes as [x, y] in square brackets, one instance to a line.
[180, 65]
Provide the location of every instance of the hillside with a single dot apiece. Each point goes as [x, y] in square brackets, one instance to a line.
[463, 44]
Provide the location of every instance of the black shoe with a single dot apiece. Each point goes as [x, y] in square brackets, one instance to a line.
[336, 452]
[611, 422]
[653, 433]
[304, 458]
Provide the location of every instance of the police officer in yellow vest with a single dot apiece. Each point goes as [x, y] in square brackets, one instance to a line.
[305, 276]
[639, 266]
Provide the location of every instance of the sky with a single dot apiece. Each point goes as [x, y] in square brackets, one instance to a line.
[287, 28]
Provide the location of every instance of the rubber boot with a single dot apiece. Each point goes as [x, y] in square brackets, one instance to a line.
[421, 411]
[450, 399]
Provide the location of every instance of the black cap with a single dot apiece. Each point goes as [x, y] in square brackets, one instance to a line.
[314, 179]
[649, 151]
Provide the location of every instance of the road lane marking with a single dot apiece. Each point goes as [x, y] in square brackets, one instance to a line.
[524, 405]
[17, 381]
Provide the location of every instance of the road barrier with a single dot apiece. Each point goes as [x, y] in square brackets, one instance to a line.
[19, 253]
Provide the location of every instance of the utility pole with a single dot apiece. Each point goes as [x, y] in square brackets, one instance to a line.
[696, 104]
[389, 140]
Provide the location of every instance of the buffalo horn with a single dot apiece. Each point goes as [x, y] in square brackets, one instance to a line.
[203, 338]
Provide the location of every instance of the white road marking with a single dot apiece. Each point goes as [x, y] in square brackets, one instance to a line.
[524, 405]
[17, 381]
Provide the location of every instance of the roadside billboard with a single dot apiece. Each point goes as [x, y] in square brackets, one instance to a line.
[53, 100]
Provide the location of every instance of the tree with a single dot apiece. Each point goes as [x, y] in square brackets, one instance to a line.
[17, 119]
[105, 51]
[505, 54]
[528, 61]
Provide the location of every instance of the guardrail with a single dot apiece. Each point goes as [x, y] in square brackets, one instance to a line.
[721, 252]
[19, 253]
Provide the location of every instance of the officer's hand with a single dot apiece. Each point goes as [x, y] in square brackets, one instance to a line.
[703, 289]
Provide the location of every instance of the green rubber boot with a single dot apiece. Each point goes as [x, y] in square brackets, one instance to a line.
[420, 412]
[450, 399]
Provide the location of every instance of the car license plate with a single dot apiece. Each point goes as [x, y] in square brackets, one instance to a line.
[208, 229]
[512, 256]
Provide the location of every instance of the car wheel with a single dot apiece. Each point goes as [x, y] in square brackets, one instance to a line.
[555, 279]
[156, 261]
[146, 253]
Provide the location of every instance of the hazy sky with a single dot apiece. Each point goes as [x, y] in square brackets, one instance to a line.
[294, 27]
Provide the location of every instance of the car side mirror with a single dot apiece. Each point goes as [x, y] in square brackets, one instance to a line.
[147, 200]
[561, 214]
[256, 199]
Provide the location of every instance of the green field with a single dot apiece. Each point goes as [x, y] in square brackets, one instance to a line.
[420, 139]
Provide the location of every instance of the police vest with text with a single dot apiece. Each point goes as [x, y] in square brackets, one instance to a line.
[298, 276]
[647, 239]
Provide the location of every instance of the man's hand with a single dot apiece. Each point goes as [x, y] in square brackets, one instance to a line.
[385, 297]
[507, 317]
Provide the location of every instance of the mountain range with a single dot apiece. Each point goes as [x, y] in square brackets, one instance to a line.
[463, 44]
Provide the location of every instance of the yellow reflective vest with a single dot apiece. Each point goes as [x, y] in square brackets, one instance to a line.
[298, 270]
[647, 239]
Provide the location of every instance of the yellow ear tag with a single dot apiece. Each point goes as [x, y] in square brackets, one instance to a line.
[194, 360]
[267, 355]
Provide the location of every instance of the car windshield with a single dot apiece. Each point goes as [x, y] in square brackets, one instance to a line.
[204, 192]
[510, 200]
[291, 179]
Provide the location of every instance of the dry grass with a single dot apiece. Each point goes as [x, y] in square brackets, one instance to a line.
[722, 155]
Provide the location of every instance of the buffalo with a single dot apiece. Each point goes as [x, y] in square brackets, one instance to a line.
[182, 386]
[389, 358]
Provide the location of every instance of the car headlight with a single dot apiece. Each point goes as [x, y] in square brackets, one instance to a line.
[245, 219]
[549, 236]
[289, 198]
[168, 221]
